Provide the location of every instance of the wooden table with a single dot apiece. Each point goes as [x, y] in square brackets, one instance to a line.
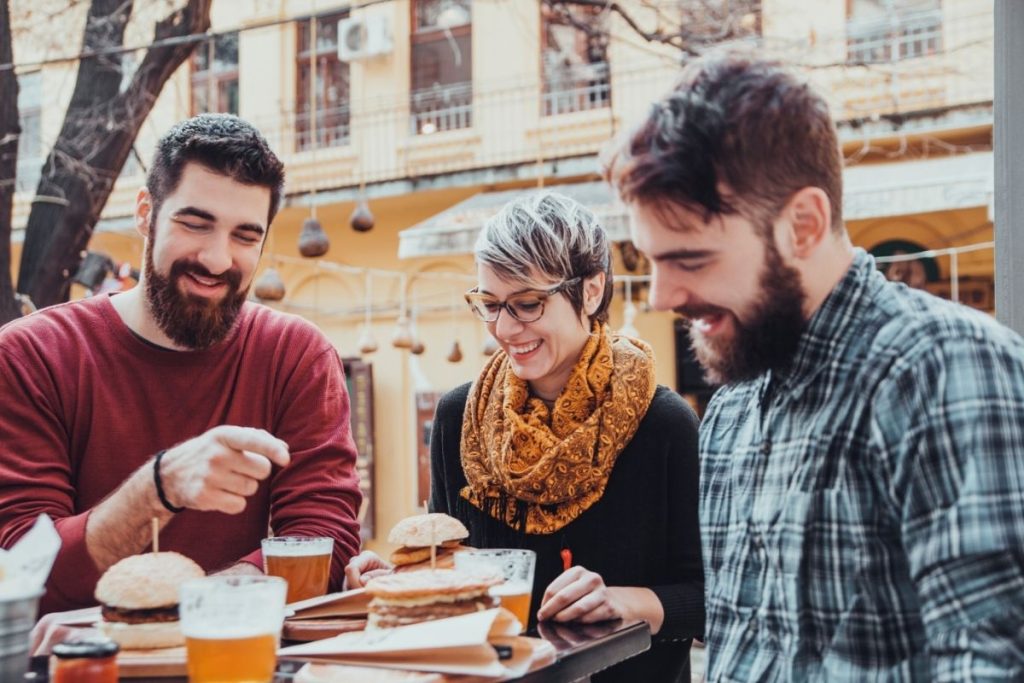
[582, 650]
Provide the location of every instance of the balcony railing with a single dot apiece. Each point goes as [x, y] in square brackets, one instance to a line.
[575, 88]
[441, 108]
[894, 38]
[332, 128]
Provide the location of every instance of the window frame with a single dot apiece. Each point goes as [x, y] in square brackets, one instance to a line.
[333, 124]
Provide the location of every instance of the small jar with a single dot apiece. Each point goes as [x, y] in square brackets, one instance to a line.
[88, 660]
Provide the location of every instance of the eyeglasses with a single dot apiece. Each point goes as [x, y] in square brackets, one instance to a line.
[526, 306]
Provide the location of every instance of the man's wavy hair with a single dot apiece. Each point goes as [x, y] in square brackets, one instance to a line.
[735, 136]
[222, 143]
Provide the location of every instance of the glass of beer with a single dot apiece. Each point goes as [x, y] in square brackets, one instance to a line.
[305, 563]
[232, 626]
[515, 565]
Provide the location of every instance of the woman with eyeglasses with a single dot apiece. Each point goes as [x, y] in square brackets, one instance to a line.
[565, 445]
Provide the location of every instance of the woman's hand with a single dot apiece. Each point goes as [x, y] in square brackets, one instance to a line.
[580, 595]
[364, 567]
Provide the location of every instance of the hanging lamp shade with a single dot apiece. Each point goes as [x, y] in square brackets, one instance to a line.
[490, 346]
[362, 219]
[367, 344]
[454, 353]
[313, 240]
[402, 336]
[269, 286]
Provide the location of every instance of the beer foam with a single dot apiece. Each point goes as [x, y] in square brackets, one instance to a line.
[304, 549]
[216, 631]
[511, 588]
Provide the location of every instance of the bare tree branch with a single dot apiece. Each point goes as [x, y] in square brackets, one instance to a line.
[699, 24]
[100, 126]
[9, 132]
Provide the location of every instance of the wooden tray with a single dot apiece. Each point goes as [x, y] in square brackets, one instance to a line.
[160, 663]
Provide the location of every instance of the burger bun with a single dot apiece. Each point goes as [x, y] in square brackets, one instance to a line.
[426, 530]
[149, 636]
[146, 581]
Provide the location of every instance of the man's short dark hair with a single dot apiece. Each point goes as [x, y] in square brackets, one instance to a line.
[222, 143]
[733, 121]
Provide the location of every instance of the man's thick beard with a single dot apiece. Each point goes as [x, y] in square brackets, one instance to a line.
[191, 321]
[768, 340]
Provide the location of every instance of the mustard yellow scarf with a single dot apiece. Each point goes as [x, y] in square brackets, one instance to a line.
[537, 468]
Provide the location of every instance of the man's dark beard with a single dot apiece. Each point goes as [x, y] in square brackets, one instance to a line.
[768, 339]
[192, 321]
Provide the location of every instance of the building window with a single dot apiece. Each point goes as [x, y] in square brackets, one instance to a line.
[331, 88]
[215, 75]
[574, 59]
[880, 31]
[30, 142]
[441, 95]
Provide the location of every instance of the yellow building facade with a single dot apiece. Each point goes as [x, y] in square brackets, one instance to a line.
[423, 109]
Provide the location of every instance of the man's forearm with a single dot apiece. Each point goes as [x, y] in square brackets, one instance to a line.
[121, 525]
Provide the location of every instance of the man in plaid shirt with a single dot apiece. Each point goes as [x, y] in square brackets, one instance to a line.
[862, 493]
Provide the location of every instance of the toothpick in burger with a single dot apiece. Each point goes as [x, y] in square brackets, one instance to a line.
[418, 533]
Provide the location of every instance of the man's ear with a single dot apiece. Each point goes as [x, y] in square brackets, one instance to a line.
[809, 214]
[143, 211]
[593, 292]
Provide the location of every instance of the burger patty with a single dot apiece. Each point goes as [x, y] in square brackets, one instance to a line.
[390, 616]
[140, 616]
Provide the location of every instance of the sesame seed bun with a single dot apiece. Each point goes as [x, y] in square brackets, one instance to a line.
[146, 581]
[426, 530]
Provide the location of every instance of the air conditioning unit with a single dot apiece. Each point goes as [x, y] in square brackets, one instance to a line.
[363, 37]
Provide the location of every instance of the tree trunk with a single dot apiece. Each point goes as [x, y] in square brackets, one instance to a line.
[99, 128]
[9, 131]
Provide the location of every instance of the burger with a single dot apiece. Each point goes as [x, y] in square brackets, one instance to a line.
[413, 597]
[139, 599]
[417, 534]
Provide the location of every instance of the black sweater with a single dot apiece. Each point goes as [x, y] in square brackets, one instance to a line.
[644, 530]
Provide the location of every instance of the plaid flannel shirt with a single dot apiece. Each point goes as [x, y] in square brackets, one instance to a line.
[862, 513]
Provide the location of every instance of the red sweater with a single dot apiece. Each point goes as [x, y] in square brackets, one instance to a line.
[84, 402]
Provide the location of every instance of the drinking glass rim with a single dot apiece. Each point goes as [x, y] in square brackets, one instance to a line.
[298, 540]
[233, 581]
[484, 552]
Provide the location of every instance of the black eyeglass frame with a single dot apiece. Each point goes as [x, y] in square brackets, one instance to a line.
[541, 294]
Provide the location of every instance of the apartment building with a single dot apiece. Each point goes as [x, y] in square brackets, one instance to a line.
[404, 124]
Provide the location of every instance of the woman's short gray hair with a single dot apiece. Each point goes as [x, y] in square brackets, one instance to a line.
[549, 235]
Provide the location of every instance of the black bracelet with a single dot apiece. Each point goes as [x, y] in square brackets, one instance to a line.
[160, 485]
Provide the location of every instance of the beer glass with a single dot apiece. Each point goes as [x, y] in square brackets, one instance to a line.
[232, 626]
[305, 563]
[515, 565]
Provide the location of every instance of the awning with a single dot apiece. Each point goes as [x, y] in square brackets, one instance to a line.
[900, 189]
[454, 230]
[869, 191]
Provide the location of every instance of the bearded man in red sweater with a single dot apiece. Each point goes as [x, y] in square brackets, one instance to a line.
[179, 399]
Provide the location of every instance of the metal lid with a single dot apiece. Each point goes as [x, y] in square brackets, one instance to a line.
[87, 648]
